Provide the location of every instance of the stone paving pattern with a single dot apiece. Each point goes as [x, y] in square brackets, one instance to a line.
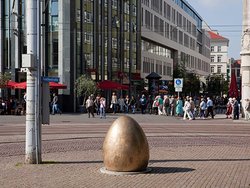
[199, 153]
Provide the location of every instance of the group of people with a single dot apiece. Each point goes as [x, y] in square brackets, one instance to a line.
[98, 103]
[12, 106]
[187, 108]
[233, 109]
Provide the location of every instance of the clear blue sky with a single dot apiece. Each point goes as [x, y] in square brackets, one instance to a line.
[224, 16]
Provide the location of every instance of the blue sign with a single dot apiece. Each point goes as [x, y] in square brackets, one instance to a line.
[178, 82]
[50, 79]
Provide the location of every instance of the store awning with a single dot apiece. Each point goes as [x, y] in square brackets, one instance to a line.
[9, 84]
[106, 84]
[52, 85]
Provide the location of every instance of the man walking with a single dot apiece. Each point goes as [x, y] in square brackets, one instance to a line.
[55, 106]
[210, 108]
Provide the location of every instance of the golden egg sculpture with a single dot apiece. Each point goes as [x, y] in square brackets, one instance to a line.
[125, 148]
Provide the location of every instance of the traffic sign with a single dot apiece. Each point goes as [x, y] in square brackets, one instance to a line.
[178, 82]
[50, 79]
[178, 89]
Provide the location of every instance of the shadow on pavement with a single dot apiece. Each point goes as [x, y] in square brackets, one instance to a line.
[70, 162]
[196, 160]
[167, 170]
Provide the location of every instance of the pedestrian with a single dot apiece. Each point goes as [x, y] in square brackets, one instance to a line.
[114, 102]
[172, 103]
[210, 107]
[166, 105]
[160, 105]
[187, 109]
[229, 108]
[143, 103]
[132, 104]
[126, 104]
[247, 109]
[55, 105]
[121, 104]
[102, 107]
[236, 110]
[203, 107]
[155, 106]
[179, 107]
[97, 104]
[90, 106]
[149, 104]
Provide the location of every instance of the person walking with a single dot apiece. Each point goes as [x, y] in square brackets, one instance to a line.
[179, 107]
[236, 110]
[114, 102]
[90, 106]
[172, 103]
[187, 109]
[229, 108]
[210, 107]
[126, 104]
[149, 104]
[203, 107]
[121, 104]
[55, 105]
[97, 104]
[143, 103]
[133, 104]
[247, 109]
[102, 107]
[166, 105]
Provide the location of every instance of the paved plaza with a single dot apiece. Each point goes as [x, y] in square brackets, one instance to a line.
[198, 153]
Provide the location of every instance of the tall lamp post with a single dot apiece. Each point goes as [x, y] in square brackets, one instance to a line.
[245, 52]
[32, 64]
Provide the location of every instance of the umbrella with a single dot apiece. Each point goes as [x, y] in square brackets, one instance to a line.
[21, 85]
[52, 85]
[9, 84]
[106, 84]
[233, 89]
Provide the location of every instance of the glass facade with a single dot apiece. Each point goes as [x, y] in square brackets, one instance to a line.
[104, 39]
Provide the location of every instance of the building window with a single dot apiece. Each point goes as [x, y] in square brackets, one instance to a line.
[219, 48]
[219, 59]
[212, 58]
[212, 48]
[212, 69]
[219, 69]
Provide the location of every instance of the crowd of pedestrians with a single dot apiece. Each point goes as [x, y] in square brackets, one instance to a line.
[188, 108]
[12, 106]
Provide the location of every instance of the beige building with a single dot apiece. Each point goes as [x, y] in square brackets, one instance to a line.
[219, 54]
[172, 33]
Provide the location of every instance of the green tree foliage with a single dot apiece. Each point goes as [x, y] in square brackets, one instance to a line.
[191, 82]
[216, 85]
[4, 77]
[85, 86]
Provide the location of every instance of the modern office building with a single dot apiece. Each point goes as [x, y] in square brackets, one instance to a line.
[96, 37]
[118, 40]
[219, 54]
[171, 34]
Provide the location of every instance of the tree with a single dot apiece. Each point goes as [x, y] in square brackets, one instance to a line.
[216, 85]
[4, 77]
[85, 86]
[191, 82]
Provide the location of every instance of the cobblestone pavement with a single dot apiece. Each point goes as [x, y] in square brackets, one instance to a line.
[199, 153]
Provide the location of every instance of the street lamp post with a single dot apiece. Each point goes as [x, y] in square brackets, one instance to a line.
[32, 151]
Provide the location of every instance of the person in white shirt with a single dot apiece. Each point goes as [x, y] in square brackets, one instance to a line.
[102, 107]
[210, 108]
[187, 109]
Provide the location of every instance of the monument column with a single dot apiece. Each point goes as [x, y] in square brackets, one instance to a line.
[245, 52]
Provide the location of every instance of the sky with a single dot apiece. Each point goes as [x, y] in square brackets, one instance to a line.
[225, 16]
